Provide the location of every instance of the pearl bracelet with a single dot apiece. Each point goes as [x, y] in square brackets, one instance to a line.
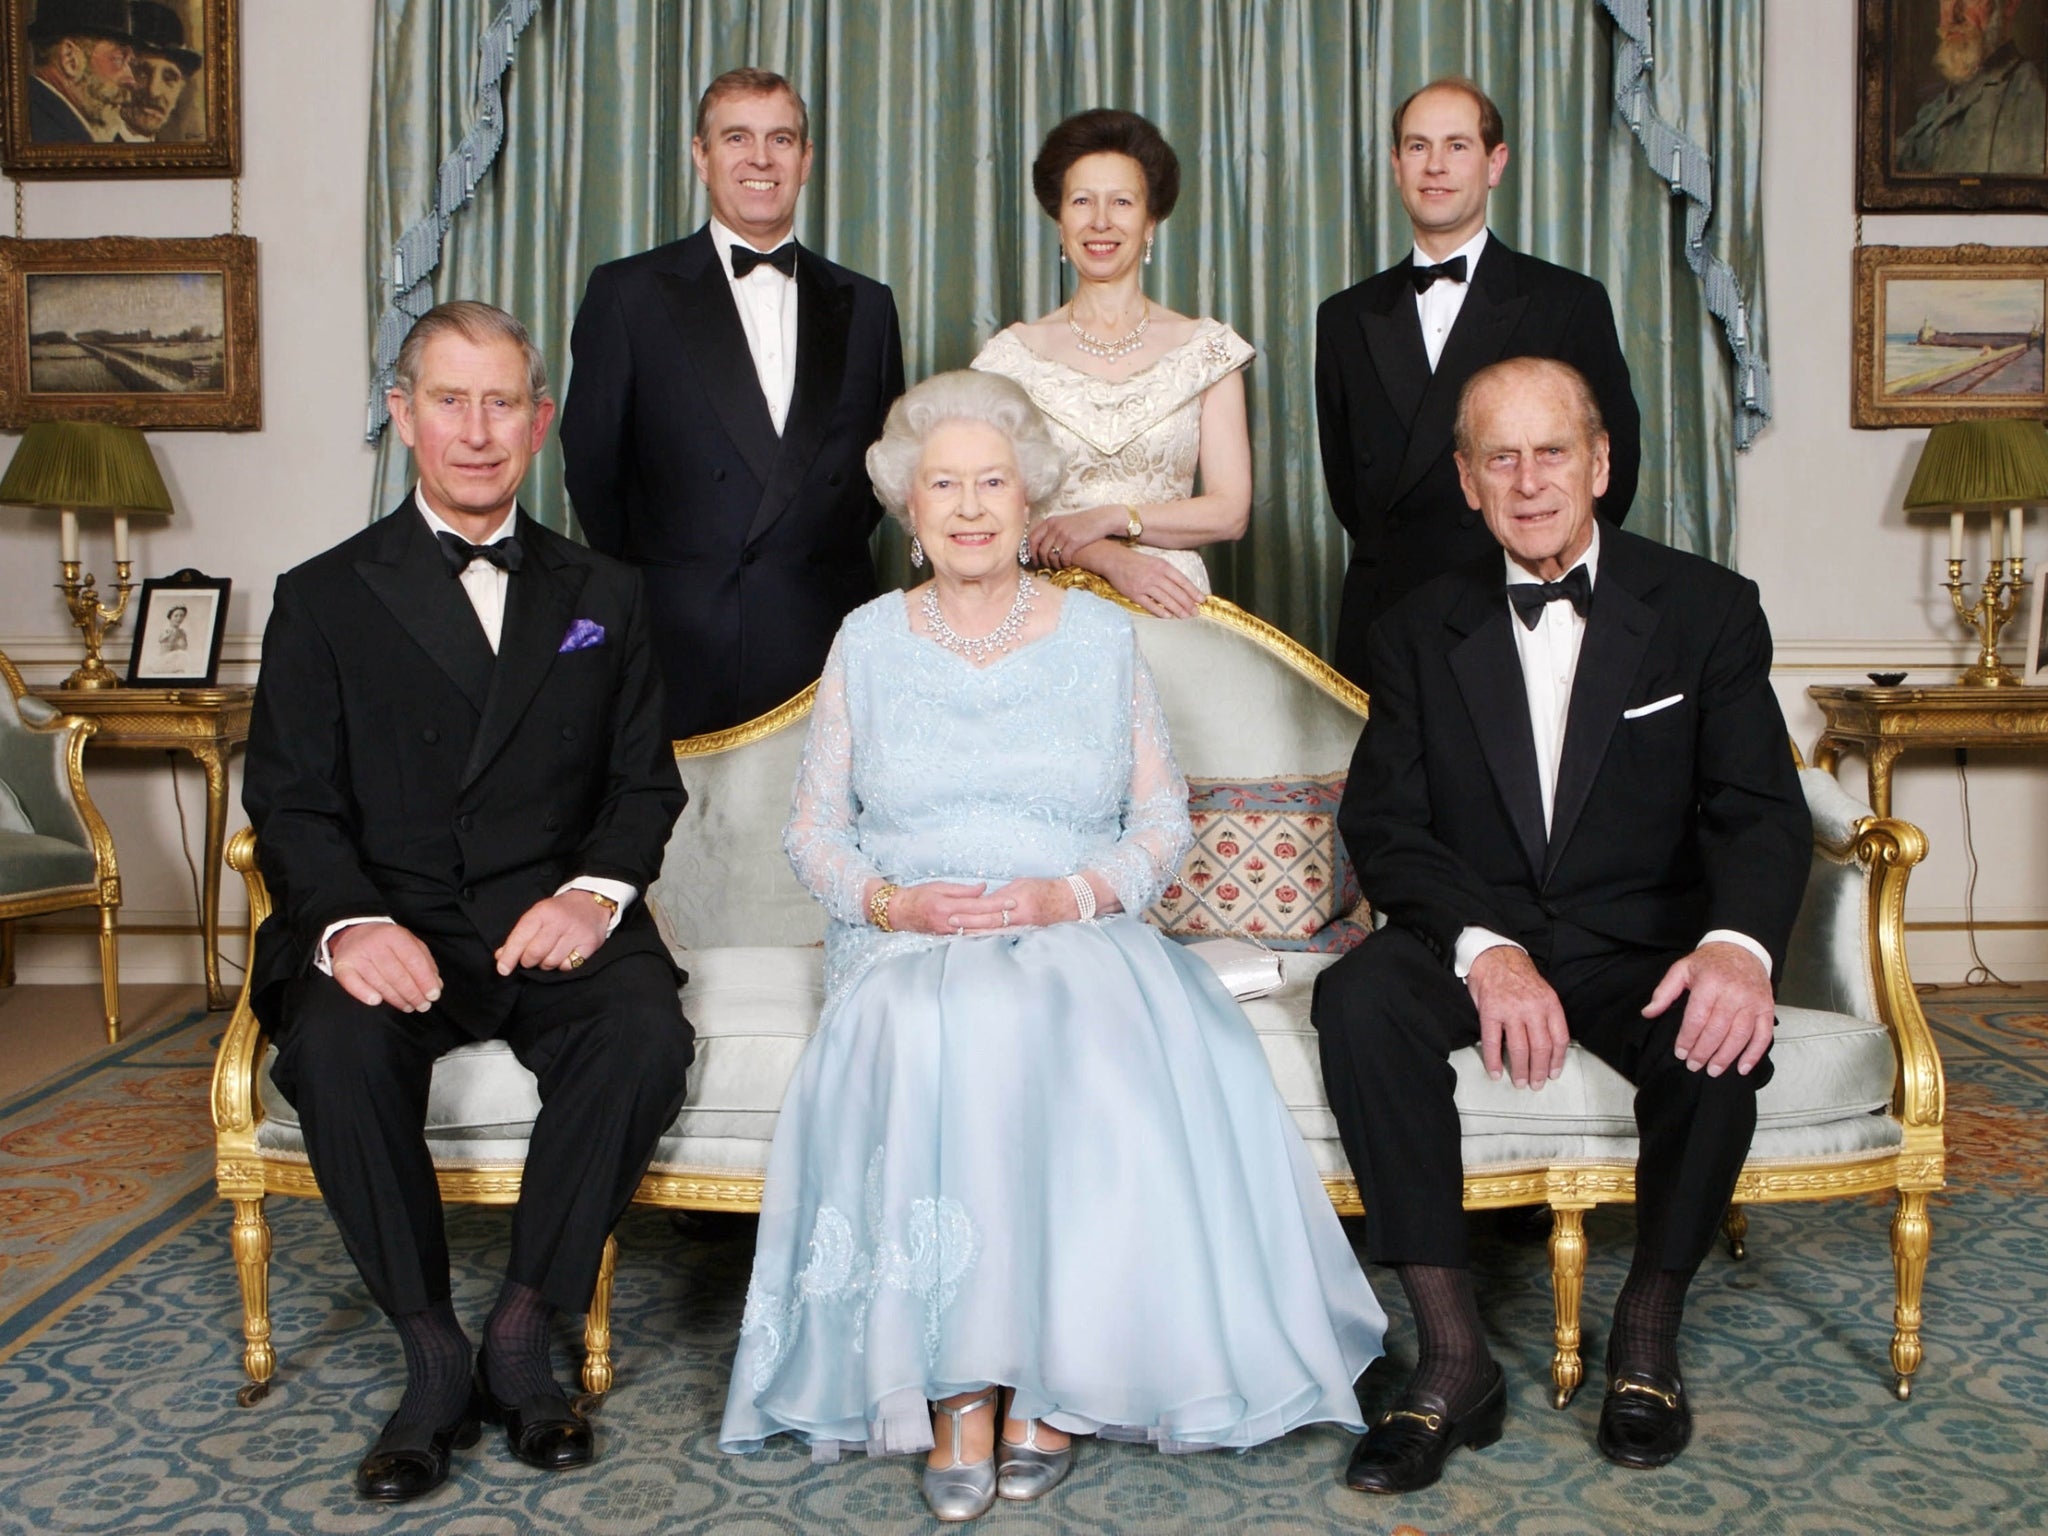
[1084, 896]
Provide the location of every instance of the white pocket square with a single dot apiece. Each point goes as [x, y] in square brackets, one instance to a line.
[1650, 709]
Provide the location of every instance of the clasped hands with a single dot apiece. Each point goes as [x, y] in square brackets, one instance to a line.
[1089, 539]
[380, 963]
[1729, 1012]
[946, 907]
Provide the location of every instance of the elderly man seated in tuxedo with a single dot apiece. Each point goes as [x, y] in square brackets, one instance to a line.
[460, 787]
[1575, 805]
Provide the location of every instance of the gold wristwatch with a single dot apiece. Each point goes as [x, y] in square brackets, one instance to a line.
[602, 900]
[1134, 530]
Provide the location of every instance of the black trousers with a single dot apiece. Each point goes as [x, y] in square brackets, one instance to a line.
[611, 1052]
[1389, 1014]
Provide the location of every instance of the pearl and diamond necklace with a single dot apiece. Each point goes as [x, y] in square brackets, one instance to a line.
[1110, 351]
[980, 648]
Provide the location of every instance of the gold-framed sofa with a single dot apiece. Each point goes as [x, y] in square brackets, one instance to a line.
[56, 853]
[1855, 1104]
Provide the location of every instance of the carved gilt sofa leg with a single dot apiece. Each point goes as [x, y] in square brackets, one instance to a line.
[110, 975]
[1911, 1236]
[252, 1271]
[1736, 1225]
[1567, 1281]
[597, 1327]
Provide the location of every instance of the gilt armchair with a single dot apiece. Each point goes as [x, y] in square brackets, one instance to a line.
[55, 851]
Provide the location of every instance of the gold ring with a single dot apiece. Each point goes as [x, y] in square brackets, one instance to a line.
[574, 959]
[1006, 917]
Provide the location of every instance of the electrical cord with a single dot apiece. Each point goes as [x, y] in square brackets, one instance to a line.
[1979, 974]
[191, 866]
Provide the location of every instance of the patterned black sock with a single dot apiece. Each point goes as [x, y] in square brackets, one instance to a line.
[1646, 1317]
[516, 1346]
[437, 1367]
[1451, 1358]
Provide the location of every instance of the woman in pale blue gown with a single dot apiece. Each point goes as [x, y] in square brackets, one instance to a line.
[1033, 1144]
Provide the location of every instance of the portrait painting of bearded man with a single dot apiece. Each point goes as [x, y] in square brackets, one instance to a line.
[1968, 98]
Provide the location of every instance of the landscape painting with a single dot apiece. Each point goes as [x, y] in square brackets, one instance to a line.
[145, 333]
[1944, 334]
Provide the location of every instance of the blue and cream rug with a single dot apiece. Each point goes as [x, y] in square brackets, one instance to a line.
[120, 1360]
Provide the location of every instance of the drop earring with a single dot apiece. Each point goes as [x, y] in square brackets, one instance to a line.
[916, 553]
[1024, 551]
[1063, 255]
[1148, 250]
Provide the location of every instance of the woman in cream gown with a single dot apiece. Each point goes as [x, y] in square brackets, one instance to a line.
[1140, 397]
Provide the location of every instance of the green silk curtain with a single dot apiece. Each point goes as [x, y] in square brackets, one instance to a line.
[926, 115]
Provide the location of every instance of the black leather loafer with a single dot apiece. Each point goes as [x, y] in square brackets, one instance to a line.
[1645, 1420]
[411, 1459]
[543, 1431]
[1406, 1450]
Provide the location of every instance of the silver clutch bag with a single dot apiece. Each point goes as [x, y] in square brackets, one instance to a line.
[1246, 969]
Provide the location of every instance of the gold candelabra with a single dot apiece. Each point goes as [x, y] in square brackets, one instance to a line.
[1998, 597]
[93, 621]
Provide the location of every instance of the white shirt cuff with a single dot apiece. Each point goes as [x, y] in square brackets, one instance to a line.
[1740, 941]
[617, 890]
[322, 960]
[1472, 943]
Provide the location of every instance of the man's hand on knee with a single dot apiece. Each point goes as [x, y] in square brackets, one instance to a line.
[382, 963]
[557, 934]
[1518, 1010]
[1729, 1011]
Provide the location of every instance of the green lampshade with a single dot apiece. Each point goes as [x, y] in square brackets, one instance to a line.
[1978, 465]
[84, 466]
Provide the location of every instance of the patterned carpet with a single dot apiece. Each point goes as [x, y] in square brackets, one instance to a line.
[119, 1361]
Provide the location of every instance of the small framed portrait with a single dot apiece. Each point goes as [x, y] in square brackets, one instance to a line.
[120, 88]
[1947, 334]
[2036, 664]
[1952, 110]
[142, 333]
[180, 623]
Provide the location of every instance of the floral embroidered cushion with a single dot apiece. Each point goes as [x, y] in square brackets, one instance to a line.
[1268, 865]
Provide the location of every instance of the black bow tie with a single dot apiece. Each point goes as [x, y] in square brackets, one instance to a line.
[459, 552]
[783, 259]
[1532, 597]
[1452, 271]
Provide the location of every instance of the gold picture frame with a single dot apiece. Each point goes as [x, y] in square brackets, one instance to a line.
[147, 333]
[1947, 333]
[176, 107]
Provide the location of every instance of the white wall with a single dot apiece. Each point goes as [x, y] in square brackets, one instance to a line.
[1848, 584]
[249, 504]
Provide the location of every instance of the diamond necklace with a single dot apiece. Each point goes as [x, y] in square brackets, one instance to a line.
[980, 648]
[1095, 346]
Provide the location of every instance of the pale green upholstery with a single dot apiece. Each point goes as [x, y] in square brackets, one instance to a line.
[55, 851]
[1241, 702]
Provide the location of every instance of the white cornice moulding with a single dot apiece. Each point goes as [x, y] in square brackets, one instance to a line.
[1791, 655]
[46, 660]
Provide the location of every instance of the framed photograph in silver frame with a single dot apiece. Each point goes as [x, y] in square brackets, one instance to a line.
[2035, 663]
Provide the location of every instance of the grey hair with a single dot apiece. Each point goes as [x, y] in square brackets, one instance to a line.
[966, 394]
[1585, 405]
[477, 323]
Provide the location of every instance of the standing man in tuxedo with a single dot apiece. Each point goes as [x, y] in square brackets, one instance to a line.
[1393, 352]
[1576, 806]
[725, 391]
[461, 787]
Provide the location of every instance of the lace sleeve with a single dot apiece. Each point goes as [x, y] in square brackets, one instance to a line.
[820, 840]
[1156, 835]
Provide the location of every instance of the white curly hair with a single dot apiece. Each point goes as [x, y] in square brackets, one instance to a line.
[966, 394]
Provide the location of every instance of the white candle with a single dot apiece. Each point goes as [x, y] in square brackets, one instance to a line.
[120, 538]
[69, 525]
[1997, 539]
[2019, 528]
[1955, 535]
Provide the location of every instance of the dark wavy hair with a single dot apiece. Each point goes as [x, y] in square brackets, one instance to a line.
[1107, 131]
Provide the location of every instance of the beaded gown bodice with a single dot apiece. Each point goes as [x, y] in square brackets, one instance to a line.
[1130, 441]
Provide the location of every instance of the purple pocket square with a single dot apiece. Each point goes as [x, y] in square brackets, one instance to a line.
[583, 634]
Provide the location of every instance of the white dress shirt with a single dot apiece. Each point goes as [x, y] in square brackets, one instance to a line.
[1437, 306]
[1550, 661]
[484, 584]
[766, 301]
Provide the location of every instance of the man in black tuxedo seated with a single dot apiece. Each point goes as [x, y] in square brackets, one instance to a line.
[460, 787]
[1575, 804]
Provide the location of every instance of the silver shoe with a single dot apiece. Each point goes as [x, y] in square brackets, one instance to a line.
[965, 1489]
[1025, 1472]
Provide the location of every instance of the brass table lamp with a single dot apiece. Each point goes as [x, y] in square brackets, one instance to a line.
[90, 467]
[1996, 467]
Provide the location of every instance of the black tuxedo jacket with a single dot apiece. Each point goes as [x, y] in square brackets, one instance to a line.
[754, 546]
[396, 768]
[1385, 419]
[1668, 821]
